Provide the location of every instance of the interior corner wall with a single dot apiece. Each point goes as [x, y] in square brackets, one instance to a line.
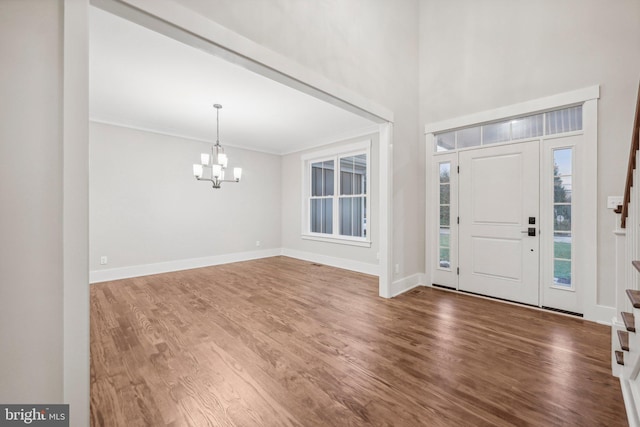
[376, 57]
[31, 196]
[292, 181]
[146, 208]
[477, 56]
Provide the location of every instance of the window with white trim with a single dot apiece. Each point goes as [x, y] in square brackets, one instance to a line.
[563, 120]
[336, 194]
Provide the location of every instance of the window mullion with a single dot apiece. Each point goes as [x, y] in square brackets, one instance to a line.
[309, 189]
[336, 195]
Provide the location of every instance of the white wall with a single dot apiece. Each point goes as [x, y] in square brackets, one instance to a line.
[292, 181]
[476, 56]
[31, 201]
[368, 46]
[147, 208]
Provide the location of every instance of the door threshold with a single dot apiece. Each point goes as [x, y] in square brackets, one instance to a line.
[558, 310]
[450, 288]
[535, 307]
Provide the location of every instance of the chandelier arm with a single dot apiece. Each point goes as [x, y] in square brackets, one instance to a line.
[216, 182]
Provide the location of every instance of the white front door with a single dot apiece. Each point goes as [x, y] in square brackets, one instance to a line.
[499, 222]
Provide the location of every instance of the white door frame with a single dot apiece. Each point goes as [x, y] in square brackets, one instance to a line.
[587, 169]
[75, 215]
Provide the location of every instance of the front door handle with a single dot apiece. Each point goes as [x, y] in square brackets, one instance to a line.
[531, 231]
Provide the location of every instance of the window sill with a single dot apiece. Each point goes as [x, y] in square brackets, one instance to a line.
[563, 288]
[338, 240]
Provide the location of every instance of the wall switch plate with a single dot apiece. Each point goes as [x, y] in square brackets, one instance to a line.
[103, 260]
[613, 202]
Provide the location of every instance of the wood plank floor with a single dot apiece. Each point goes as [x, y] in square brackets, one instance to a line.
[282, 342]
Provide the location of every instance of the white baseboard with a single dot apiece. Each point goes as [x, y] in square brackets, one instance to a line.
[600, 314]
[98, 276]
[347, 264]
[407, 283]
[629, 403]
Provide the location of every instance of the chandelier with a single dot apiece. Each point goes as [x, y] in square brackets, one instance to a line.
[215, 163]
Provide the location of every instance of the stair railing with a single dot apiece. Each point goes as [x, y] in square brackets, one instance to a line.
[633, 156]
[625, 340]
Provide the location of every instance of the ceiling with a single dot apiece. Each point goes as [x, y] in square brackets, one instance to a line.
[145, 80]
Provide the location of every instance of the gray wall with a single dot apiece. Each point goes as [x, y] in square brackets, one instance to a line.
[475, 56]
[146, 207]
[292, 205]
[31, 268]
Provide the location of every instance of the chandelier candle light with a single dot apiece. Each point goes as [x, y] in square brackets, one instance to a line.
[216, 162]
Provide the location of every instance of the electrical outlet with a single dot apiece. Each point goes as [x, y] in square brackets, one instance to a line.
[397, 268]
[258, 243]
[103, 260]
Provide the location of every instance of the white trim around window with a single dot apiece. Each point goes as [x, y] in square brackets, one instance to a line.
[553, 102]
[334, 154]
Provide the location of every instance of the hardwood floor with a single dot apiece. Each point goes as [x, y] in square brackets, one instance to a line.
[279, 341]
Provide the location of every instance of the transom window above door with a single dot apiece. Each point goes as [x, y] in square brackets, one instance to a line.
[336, 187]
[536, 125]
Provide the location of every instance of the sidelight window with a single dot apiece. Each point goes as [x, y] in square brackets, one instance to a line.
[444, 242]
[562, 218]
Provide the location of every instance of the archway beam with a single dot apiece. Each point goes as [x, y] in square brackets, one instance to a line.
[182, 24]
